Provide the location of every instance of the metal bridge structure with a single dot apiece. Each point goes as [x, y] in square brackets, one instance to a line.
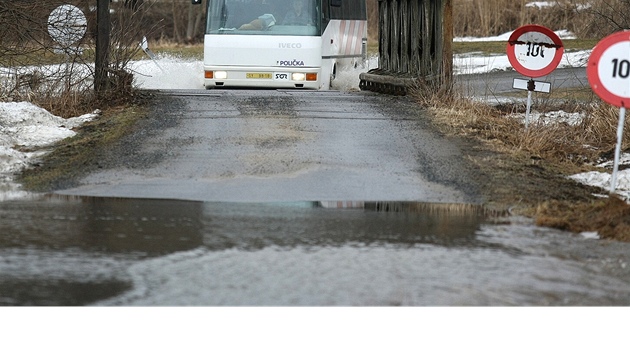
[414, 46]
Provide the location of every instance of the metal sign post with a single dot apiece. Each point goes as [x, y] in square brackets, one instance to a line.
[531, 86]
[530, 89]
[622, 118]
[534, 51]
[608, 72]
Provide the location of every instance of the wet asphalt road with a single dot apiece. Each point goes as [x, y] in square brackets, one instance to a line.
[278, 146]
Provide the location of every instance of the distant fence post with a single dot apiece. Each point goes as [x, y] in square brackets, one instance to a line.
[103, 28]
[415, 43]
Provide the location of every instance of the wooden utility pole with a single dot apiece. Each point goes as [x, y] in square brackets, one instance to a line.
[103, 29]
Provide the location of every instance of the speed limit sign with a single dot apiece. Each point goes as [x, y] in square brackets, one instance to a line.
[608, 72]
[534, 50]
[608, 69]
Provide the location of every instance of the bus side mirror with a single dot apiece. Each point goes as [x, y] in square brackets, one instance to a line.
[197, 2]
[335, 3]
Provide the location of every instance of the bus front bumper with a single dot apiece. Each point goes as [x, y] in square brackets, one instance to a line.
[308, 78]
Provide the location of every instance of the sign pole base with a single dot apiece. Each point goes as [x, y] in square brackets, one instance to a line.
[622, 118]
[530, 88]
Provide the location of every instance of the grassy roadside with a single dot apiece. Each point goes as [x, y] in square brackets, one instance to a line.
[528, 170]
[525, 171]
[74, 157]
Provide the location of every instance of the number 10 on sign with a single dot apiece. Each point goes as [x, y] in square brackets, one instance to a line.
[621, 68]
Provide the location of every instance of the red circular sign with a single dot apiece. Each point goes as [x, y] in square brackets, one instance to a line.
[608, 69]
[534, 50]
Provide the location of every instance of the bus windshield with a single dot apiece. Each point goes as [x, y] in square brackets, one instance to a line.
[264, 17]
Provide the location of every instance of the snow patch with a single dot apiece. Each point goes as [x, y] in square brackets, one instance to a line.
[590, 235]
[554, 117]
[563, 34]
[545, 4]
[478, 63]
[603, 180]
[25, 126]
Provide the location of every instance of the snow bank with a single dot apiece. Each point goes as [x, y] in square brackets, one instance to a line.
[26, 127]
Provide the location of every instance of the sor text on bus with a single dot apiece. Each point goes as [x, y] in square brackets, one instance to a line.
[290, 45]
[293, 62]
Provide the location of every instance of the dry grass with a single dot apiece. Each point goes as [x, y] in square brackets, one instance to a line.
[610, 217]
[482, 18]
[593, 137]
[586, 18]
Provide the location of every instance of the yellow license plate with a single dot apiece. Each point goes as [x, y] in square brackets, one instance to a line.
[258, 75]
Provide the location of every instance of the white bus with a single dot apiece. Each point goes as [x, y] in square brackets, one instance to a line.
[282, 43]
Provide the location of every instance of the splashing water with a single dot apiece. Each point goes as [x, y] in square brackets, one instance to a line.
[169, 72]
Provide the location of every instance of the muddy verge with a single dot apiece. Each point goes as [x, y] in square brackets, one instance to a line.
[539, 189]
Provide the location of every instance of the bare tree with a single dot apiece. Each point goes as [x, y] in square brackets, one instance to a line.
[195, 16]
[606, 17]
[59, 76]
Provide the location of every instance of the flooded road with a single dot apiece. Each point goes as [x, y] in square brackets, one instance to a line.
[290, 198]
[114, 251]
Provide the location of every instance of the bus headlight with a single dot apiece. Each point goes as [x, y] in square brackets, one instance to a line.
[298, 76]
[220, 75]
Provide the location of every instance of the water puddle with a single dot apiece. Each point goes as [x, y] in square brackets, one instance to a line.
[66, 250]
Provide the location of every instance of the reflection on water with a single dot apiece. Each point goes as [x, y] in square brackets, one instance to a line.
[73, 250]
[250, 226]
[108, 251]
[109, 225]
[155, 227]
